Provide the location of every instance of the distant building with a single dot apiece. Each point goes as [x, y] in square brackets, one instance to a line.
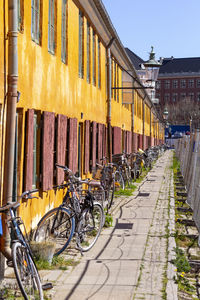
[178, 88]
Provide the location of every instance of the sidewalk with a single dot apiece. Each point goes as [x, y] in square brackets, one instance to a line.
[129, 260]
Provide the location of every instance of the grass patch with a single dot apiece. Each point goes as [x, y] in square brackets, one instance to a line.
[122, 192]
[58, 262]
[108, 220]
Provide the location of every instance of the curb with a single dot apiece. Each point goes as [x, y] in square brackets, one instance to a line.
[172, 288]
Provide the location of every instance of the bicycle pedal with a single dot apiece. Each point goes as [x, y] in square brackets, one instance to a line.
[9, 263]
[47, 286]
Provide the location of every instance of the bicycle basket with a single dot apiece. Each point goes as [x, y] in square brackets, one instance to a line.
[118, 159]
[98, 174]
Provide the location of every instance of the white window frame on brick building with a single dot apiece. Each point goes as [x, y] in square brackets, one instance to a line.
[166, 98]
[191, 83]
[175, 84]
[191, 96]
[174, 97]
[183, 83]
[183, 96]
[167, 84]
[198, 83]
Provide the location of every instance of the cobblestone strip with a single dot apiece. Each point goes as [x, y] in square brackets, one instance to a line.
[153, 271]
[172, 289]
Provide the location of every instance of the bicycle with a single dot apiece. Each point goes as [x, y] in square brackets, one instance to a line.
[22, 258]
[103, 188]
[79, 216]
[124, 169]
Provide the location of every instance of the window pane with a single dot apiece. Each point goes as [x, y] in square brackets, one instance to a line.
[88, 52]
[51, 35]
[63, 33]
[81, 44]
[35, 21]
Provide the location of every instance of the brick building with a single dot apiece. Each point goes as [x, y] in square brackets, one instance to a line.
[178, 88]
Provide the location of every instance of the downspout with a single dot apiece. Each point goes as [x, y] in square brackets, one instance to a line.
[143, 127]
[10, 117]
[150, 127]
[109, 98]
[132, 125]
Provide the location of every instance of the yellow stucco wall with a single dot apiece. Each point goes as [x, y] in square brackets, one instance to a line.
[47, 84]
[138, 113]
[147, 120]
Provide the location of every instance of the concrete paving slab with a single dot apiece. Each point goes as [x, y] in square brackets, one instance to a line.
[108, 292]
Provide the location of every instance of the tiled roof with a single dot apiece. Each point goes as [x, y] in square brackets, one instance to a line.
[180, 65]
[136, 60]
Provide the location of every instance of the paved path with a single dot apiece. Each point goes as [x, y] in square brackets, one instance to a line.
[130, 260]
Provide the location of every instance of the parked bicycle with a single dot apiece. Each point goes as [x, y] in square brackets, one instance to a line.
[79, 216]
[103, 185]
[22, 258]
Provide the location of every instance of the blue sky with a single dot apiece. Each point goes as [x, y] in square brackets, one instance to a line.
[171, 26]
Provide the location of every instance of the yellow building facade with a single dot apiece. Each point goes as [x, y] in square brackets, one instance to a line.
[70, 78]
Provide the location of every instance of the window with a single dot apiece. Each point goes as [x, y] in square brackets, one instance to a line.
[35, 128]
[191, 83]
[167, 84]
[191, 96]
[175, 84]
[198, 97]
[35, 21]
[32, 149]
[183, 96]
[183, 83]
[81, 44]
[88, 52]
[20, 15]
[174, 97]
[94, 58]
[64, 32]
[52, 27]
[166, 98]
[99, 64]
[198, 83]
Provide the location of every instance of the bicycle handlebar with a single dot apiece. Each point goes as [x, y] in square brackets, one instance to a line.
[6, 207]
[27, 194]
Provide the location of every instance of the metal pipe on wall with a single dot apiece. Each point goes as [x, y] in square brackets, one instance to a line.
[12, 80]
[109, 98]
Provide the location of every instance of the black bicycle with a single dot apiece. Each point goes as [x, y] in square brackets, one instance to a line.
[22, 258]
[78, 215]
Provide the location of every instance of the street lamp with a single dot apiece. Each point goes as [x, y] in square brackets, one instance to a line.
[152, 68]
[165, 114]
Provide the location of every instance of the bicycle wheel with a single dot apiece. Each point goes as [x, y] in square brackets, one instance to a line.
[110, 194]
[119, 181]
[26, 273]
[57, 225]
[99, 194]
[89, 227]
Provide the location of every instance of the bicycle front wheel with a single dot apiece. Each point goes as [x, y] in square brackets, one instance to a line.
[57, 225]
[26, 273]
[89, 227]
